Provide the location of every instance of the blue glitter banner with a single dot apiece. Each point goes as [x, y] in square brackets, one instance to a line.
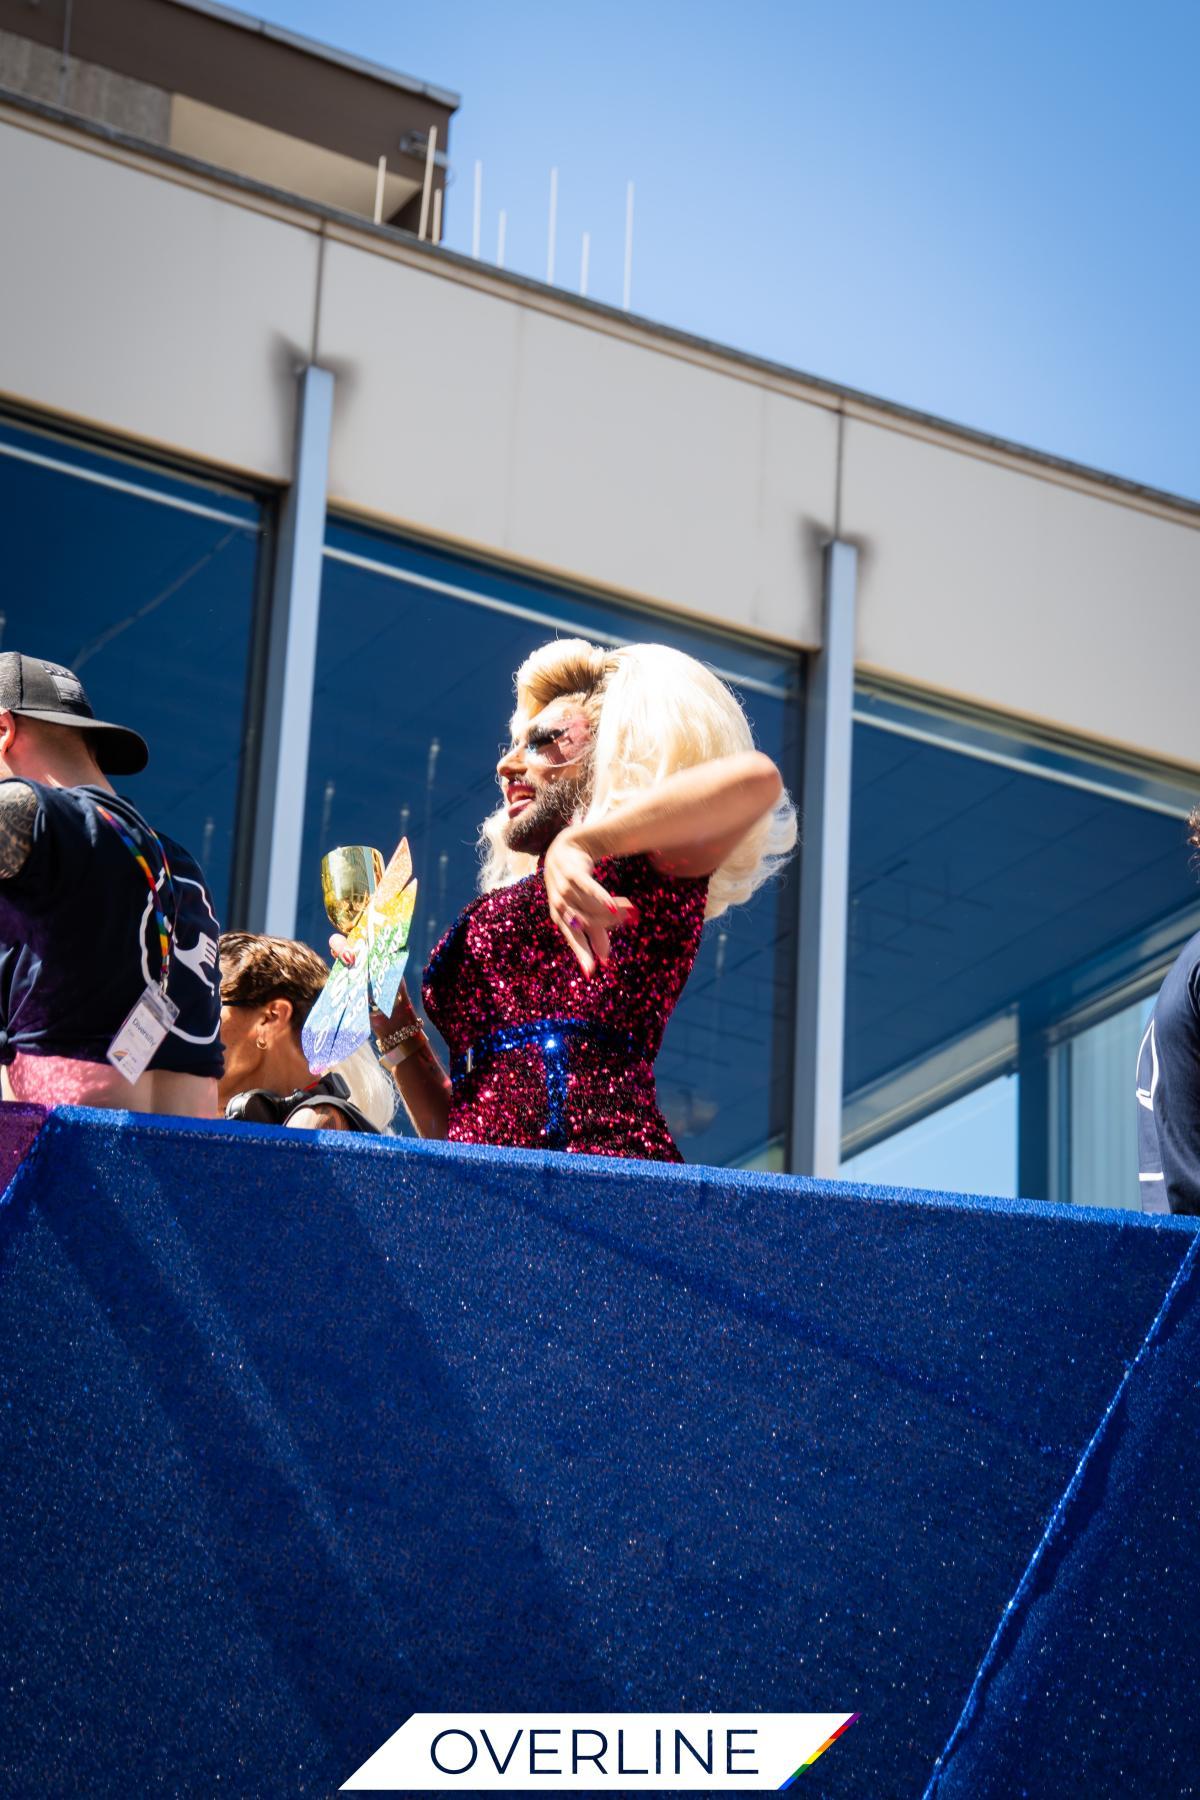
[301, 1435]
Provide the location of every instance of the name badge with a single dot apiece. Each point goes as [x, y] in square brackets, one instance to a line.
[142, 1033]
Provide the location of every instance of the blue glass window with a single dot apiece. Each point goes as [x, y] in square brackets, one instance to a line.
[416, 657]
[968, 1146]
[144, 583]
[1000, 892]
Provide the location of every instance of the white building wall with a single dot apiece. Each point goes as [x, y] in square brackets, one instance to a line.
[145, 307]
[473, 415]
[999, 586]
[173, 309]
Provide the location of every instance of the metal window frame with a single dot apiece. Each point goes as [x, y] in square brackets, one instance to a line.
[1040, 1056]
[281, 774]
[540, 616]
[1025, 748]
[135, 458]
[815, 1140]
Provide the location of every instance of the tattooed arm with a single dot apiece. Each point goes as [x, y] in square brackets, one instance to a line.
[18, 810]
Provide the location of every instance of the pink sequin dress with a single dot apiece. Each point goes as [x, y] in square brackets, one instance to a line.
[543, 1057]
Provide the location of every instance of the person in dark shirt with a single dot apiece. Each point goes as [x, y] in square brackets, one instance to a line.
[108, 937]
[1168, 1085]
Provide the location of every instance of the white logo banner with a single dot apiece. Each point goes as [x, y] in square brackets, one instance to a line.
[593, 1751]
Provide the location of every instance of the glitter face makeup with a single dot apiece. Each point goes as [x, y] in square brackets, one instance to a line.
[544, 777]
[557, 746]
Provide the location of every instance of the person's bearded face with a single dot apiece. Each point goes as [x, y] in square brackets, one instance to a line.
[545, 776]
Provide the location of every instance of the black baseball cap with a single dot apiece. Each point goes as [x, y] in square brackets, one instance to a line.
[35, 689]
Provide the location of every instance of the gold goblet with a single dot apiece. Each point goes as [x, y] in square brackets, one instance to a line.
[349, 876]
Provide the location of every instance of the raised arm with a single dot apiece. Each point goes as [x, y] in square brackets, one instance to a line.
[687, 825]
[423, 1083]
[690, 822]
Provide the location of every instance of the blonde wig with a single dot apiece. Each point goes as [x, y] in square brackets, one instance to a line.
[653, 711]
[370, 1089]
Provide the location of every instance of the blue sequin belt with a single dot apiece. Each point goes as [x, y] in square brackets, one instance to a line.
[553, 1038]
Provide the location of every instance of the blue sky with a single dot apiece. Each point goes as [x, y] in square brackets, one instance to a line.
[988, 211]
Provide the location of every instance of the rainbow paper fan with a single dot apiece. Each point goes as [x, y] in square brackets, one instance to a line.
[341, 1019]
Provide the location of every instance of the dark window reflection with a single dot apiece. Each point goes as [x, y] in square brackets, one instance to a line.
[413, 695]
[144, 583]
[988, 907]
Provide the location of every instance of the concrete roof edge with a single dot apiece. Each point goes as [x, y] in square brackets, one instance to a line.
[834, 393]
[360, 65]
[895, 409]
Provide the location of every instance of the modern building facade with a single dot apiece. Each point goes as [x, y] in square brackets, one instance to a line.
[296, 491]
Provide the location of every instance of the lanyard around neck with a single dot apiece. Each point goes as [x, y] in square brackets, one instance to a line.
[139, 857]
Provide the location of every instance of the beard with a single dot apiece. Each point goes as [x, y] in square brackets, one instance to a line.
[549, 812]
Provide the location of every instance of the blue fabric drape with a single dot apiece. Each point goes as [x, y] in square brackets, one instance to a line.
[301, 1434]
[1088, 1686]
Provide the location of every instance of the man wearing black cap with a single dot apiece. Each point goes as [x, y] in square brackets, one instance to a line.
[109, 985]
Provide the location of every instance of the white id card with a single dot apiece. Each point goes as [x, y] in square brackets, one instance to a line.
[142, 1033]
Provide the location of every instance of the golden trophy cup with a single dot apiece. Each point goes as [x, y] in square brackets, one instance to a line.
[349, 877]
[373, 908]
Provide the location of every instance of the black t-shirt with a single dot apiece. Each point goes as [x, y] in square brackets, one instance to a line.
[79, 943]
[1168, 1092]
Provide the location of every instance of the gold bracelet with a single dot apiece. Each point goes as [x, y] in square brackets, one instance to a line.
[401, 1033]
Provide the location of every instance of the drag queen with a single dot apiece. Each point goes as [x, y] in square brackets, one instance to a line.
[634, 808]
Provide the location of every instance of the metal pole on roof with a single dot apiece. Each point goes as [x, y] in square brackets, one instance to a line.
[553, 229]
[500, 234]
[437, 215]
[380, 178]
[584, 255]
[427, 184]
[477, 215]
[628, 286]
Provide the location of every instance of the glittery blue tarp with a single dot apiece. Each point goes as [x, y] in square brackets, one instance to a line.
[302, 1434]
[1089, 1686]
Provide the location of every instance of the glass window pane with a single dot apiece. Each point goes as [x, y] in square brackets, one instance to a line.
[416, 657]
[989, 902]
[967, 1147]
[144, 583]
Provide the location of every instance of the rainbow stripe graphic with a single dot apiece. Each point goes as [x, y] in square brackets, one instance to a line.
[820, 1750]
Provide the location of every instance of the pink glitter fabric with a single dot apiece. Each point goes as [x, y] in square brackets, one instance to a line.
[544, 1056]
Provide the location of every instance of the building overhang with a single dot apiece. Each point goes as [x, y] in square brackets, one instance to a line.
[236, 92]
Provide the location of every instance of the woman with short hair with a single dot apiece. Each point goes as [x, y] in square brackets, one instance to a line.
[269, 986]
